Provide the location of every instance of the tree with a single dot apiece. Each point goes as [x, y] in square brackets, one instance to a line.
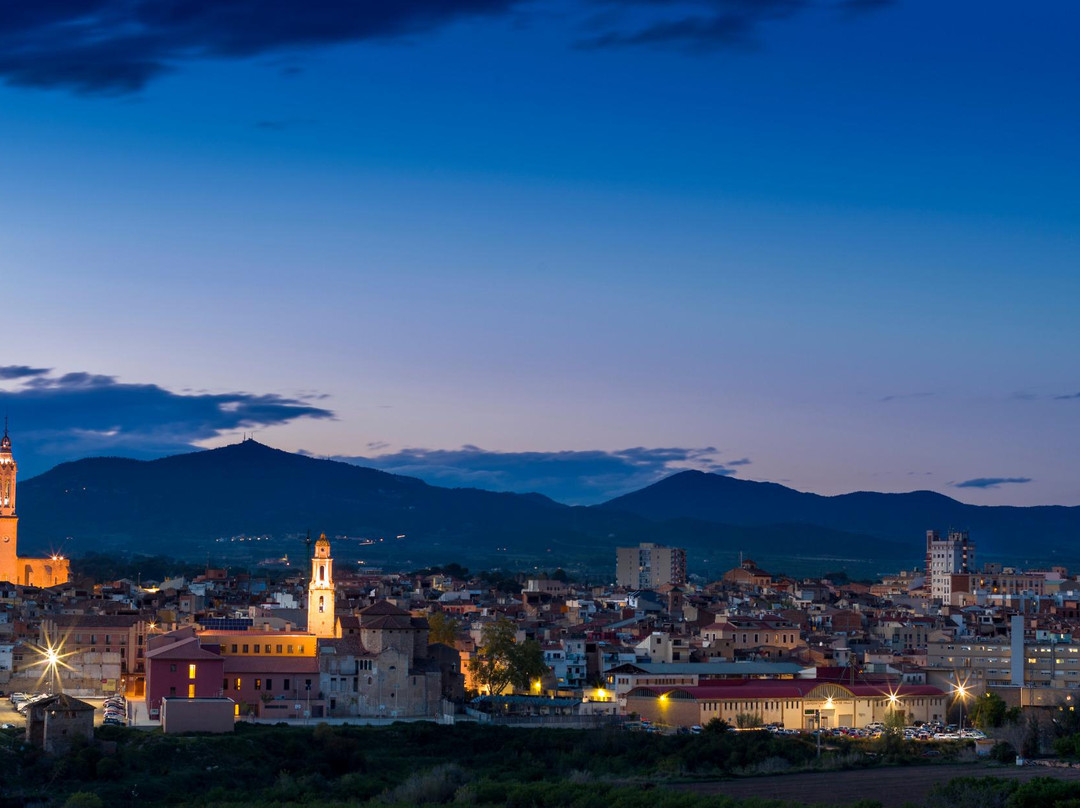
[892, 736]
[442, 629]
[748, 721]
[988, 711]
[502, 661]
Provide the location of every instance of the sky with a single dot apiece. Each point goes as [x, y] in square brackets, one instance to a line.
[569, 246]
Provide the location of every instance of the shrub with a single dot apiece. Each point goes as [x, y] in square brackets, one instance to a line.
[84, 799]
[437, 785]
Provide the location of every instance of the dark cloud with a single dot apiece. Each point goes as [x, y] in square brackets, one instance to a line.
[991, 482]
[575, 477]
[698, 25]
[21, 371]
[65, 417]
[1067, 397]
[118, 46]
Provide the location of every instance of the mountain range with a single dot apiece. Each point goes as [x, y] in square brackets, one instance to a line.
[180, 505]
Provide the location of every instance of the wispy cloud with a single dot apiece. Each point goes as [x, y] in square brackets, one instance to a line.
[702, 25]
[991, 482]
[575, 477]
[21, 371]
[901, 396]
[118, 46]
[72, 415]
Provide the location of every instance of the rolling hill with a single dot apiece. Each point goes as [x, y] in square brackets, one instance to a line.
[1044, 530]
[180, 505]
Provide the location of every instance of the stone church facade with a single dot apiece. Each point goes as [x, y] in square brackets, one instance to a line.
[41, 572]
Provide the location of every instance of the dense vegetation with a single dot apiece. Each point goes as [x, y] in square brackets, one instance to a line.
[421, 764]
[406, 764]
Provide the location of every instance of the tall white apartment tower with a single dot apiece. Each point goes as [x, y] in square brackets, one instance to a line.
[954, 555]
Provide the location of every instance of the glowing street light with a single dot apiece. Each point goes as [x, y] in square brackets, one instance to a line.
[960, 691]
[52, 659]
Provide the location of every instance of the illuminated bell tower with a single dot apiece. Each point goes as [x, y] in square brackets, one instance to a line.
[320, 608]
[9, 522]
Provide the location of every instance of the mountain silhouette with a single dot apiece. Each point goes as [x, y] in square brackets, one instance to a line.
[1016, 531]
[179, 505]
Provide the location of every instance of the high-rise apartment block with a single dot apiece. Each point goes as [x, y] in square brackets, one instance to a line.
[648, 566]
[954, 555]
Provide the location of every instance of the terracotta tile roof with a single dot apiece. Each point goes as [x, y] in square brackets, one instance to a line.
[784, 689]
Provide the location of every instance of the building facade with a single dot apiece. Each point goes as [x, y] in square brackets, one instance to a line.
[954, 555]
[792, 703]
[42, 572]
[649, 566]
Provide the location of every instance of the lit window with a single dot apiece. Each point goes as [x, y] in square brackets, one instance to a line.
[191, 671]
[191, 691]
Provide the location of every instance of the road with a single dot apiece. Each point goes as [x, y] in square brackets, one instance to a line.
[891, 786]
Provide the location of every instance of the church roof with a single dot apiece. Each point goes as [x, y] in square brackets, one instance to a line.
[382, 607]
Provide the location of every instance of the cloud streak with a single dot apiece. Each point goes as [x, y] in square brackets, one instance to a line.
[119, 46]
[991, 482]
[64, 417]
[575, 477]
[705, 25]
[21, 371]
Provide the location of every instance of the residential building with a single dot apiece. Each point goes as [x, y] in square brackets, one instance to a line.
[649, 566]
[954, 555]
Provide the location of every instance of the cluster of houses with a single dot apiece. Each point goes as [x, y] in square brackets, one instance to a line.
[748, 648]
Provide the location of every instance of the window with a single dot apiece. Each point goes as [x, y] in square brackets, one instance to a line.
[234, 648]
[224, 684]
[237, 683]
[191, 671]
[245, 649]
[307, 684]
[172, 669]
[267, 648]
[258, 684]
[301, 649]
[285, 685]
[290, 649]
[172, 691]
[191, 691]
[256, 648]
[269, 684]
[279, 649]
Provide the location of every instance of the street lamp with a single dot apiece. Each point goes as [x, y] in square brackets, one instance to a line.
[961, 692]
[52, 658]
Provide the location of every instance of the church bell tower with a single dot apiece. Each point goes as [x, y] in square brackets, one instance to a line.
[9, 522]
[320, 610]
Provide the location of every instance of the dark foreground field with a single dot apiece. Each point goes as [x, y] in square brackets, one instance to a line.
[892, 787]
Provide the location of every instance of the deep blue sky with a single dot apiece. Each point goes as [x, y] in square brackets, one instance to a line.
[836, 240]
